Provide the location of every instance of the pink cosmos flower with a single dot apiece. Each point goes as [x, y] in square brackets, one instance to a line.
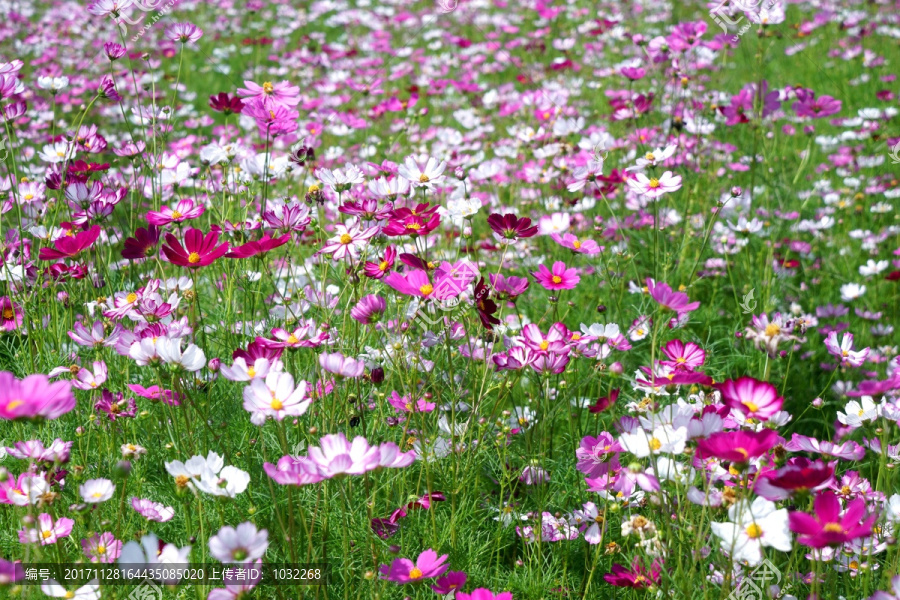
[403, 570]
[34, 450]
[101, 548]
[185, 209]
[757, 399]
[293, 470]
[848, 450]
[653, 187]
[597, 455]
[807, 105]
[153, 511]
[683, 356]
[47, 531]
[10, 314]
[89, 380]
[340, 365]
[335, 455]
[369, 309]
[666, 298]
[451, 582]
[571, 241]
[198, 250]
[183, 32]
[403, 404]
[69, 246]
[275, 397]
[557, 278]
[844, 351]
[829, 527]
[272, 94]
[34, 397]
[416, 283]
[738, 446]
[799, 475]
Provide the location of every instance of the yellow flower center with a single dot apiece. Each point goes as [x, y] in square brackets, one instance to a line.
[655, 444]
[754, 531]
[182, 480]
[292, 339]
[97, 495]
[654, 183]
[426, 289]
[423, 178]
[131, 298]
[193, 258]
[60, 154]
[649, 156]
[251, 372]
[845, 490]
[268, 87]
[8, 313]
[46, 533]
[545, 344]
[415, 572]
[276, 404]
[413, 226]
[576, 244]
[751, 406]
[772, 329]
[383, 266]
[29, 196]
[742, 452]
[101, 549]
[176, 214]
[833, 528]
[346, 239]
[556, 279]
[14, 404]
[70, 594]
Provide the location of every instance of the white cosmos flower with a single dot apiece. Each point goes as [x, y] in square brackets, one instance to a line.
[89, 591]
[422, 176]
[169, 351]
[95, 491]
[662, 440]
[873, 268]
[857, 413]
[852, 291]
[751, 528]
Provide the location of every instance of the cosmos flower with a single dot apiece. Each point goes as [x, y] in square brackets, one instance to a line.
[571, 241]
[153, 511]
[509, 228]
[48, 530]
[11, 315]
[198, 250]
[185, 209]
[671, 300]
[829, 527]
[751, 528]
[422, 176]
[557, 278]
[348, 241]
[183, 32]
[272, 94]
[240, 544]
[843, 351]
[69, 246]
[95, 491]
[34, 397]
[757, 399]
[483, 594]
[653, 187]
[340, 365]
[738, 446]
[258, 247]
[637, 577]
[275, 397]
[427, 566]
[101, 548]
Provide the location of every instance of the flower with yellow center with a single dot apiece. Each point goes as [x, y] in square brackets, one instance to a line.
[772, 329]
[267, 87]
[423, 178]
[650, 156]
[426, 289]
[176, 214]
[8, 314]
[754, 531]
[833, 528]
[556, 279]
[347, 239]
[654, 183]
[46, 533]
[415, 572]
[383, 265]
[193, 258]
[576, 244]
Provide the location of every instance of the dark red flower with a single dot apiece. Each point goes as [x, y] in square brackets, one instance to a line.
[605, 402]
[142, 244]
[510, 227]
[224, 103]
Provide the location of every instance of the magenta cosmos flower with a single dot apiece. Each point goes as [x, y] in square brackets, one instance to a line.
[510, 228]
[683, 356]
[829, 527]
[557, 278]
[636, 577]
[667, 298]
[69, 246]
[571, 241]
[416, 283]
[403, 570]
[257, 247]
[757, 399]
[198, 250]
[34, 397]
[738, 446]
[483, 594]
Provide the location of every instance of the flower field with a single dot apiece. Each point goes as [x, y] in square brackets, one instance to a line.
[450, 299]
